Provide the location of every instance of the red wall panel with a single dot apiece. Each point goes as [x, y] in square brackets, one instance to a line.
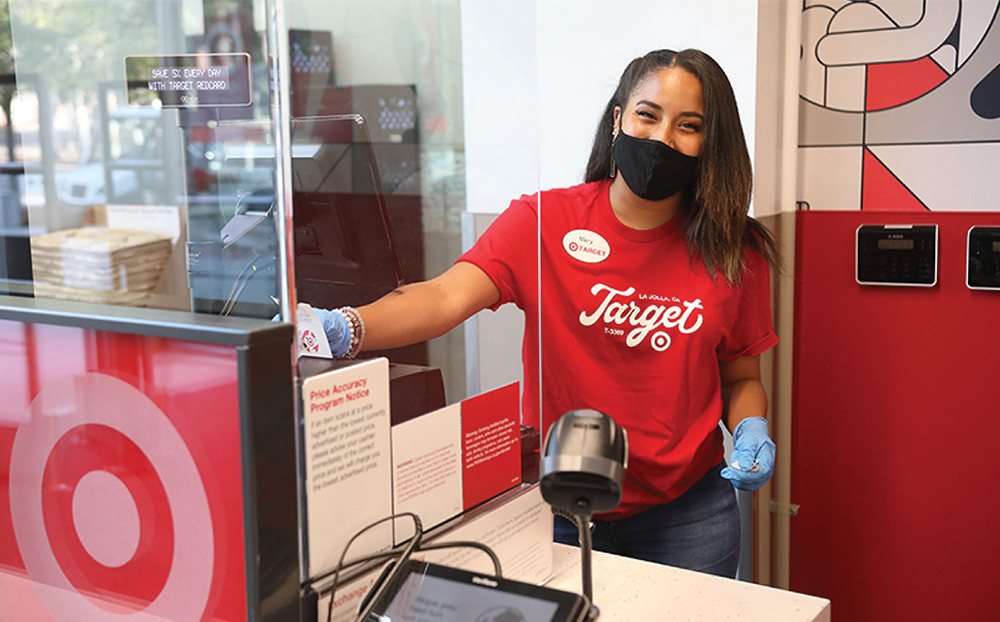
[896, 406]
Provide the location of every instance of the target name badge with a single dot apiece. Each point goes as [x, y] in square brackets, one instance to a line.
[586, 246]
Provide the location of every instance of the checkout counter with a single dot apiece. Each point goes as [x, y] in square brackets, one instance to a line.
[627, 589]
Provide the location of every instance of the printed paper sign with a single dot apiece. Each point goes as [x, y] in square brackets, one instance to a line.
[452, 459]
[491, 444]
[427, 467]
[348, 467]
[348, 600]
[519, 531]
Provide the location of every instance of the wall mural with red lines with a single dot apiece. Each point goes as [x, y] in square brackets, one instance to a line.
[899, 105]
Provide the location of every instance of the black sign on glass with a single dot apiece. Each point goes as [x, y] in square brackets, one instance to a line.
[189, 80]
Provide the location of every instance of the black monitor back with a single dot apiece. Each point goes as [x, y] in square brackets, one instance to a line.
[345, 247]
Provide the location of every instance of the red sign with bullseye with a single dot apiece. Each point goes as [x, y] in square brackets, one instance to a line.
[120, 478]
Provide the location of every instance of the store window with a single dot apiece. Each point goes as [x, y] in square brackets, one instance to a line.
[111, 186]
[141, 159]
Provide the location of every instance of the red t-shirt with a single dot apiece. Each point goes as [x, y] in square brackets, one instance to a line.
[629, 326]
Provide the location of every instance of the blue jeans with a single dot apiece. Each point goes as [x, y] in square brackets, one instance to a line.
[700, 530]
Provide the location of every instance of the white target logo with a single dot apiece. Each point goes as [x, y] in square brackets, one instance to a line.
[105, 495]
[660, 341]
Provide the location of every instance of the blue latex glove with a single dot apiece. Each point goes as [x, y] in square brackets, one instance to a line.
[337, 331]
[752, 461]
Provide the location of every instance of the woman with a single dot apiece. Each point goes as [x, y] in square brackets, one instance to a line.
[656, 306]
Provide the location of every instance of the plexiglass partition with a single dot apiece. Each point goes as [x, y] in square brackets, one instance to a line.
[436, 101]
[630, 325]
[230, 157]
[139, 155]
[442, 95]
[142, 164]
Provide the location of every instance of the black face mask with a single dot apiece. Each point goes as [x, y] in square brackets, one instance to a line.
[651, 169]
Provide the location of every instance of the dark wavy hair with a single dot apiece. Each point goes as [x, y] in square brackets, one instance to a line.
[716, 220]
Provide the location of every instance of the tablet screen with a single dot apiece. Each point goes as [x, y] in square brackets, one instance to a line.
[425, 598]
[431, 593]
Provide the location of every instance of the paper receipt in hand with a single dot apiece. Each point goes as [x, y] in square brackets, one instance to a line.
[311, 338]
[736, 464]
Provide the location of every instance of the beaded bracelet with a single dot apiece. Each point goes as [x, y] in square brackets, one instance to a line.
[356, 326]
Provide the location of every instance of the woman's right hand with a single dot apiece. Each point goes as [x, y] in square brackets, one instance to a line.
[338, 333]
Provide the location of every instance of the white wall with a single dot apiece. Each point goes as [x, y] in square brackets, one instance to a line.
[500, 91]
[551, 65]
[584, 45]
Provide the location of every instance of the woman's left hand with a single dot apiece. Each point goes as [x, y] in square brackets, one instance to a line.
[752, 461]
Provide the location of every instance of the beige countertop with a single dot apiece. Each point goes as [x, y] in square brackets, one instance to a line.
[627, 590]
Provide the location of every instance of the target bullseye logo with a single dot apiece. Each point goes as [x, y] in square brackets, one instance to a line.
[310, 342]
[100, 492]
[660, 341]
[109, 510]
[107, 515]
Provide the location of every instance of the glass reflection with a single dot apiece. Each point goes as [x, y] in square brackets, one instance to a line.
[106, 183]
[91, 156]
[396, 66]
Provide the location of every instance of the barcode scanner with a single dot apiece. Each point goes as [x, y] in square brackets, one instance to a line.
[584, 462]
[583, 465]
